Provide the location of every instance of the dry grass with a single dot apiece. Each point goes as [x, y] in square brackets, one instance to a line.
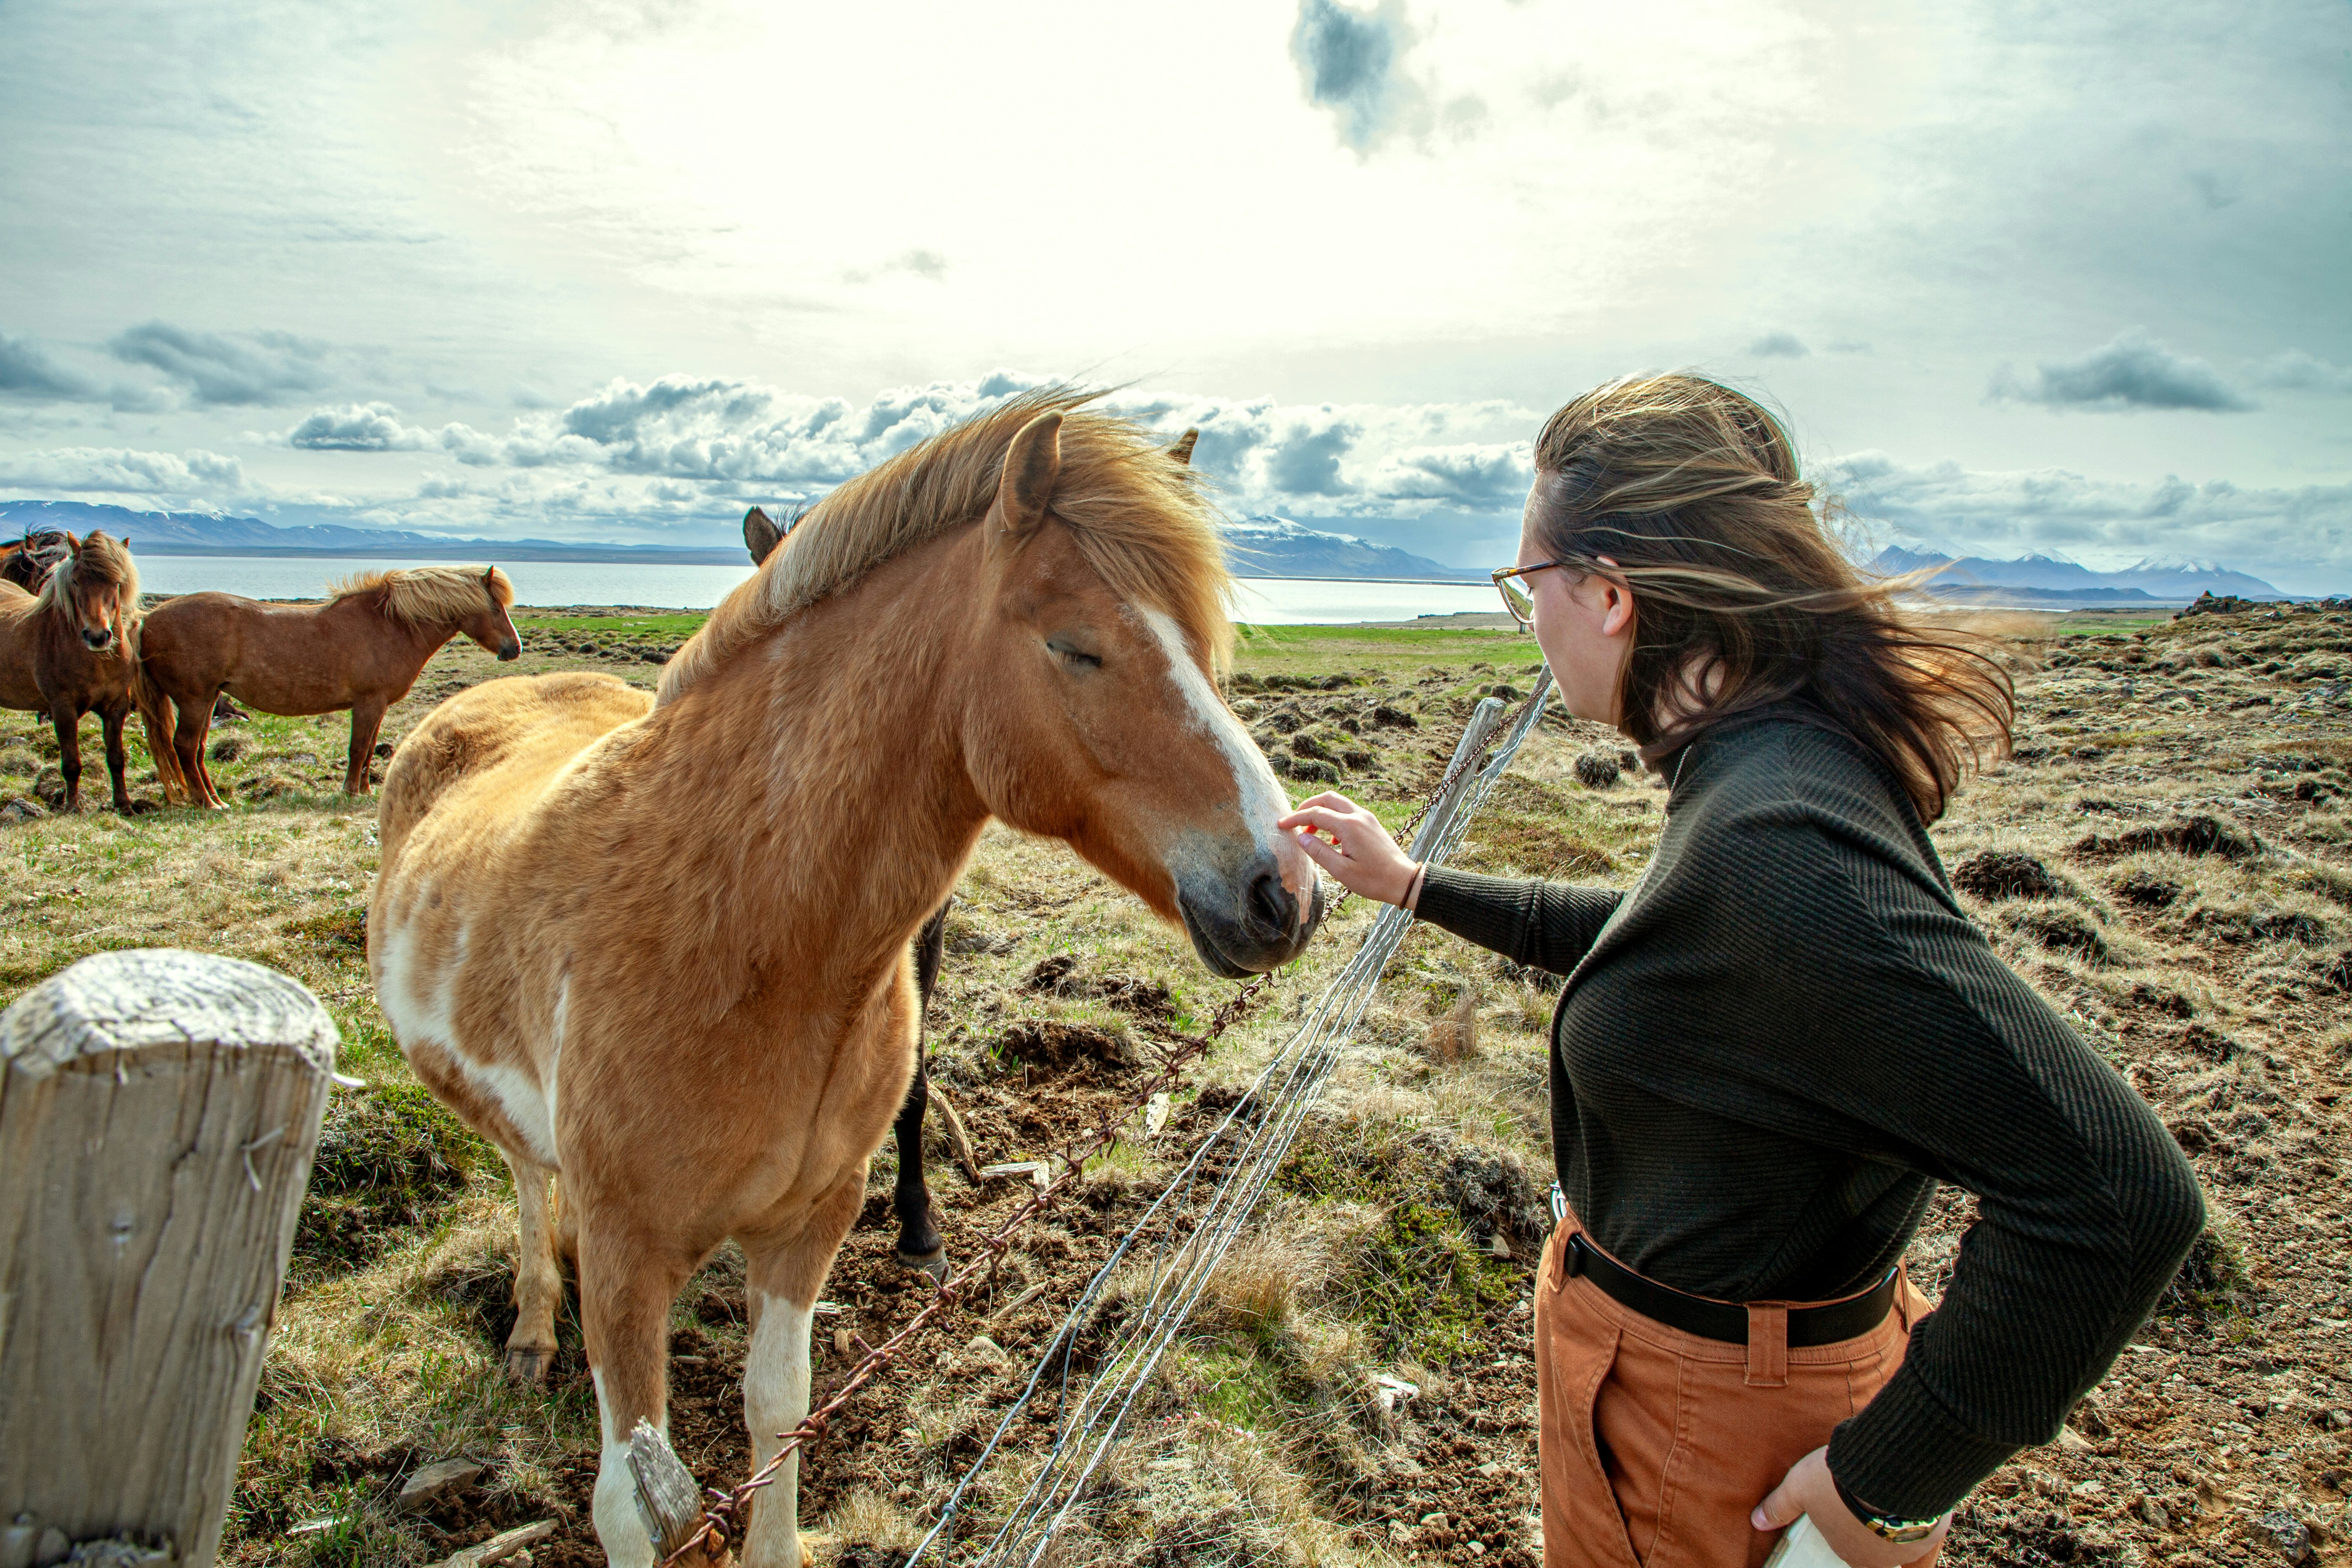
[1267, 1444]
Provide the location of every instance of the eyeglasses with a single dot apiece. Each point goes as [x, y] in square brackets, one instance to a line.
[1516, 598]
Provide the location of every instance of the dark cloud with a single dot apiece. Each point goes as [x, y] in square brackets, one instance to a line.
[1307, 461]
[2295, 370]
[239, 368]
[358, 427]
[1351, 61]
[26, 371]
[1778, 345]
[2133, 372]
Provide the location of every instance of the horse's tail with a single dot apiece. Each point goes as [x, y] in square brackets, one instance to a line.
[156, 713]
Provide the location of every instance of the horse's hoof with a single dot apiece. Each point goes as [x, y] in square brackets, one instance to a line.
[933, 1263]
[529, 1366]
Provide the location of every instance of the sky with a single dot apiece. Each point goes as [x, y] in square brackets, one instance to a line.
[2067, 277]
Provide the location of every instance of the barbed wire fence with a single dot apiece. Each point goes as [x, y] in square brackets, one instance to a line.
[1246, 1148]
[1204, 1208]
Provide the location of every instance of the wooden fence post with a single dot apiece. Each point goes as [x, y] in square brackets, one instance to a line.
[158, 1113]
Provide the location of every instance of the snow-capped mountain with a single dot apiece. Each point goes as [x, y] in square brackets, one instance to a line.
[2044, 577]
[1265, 547]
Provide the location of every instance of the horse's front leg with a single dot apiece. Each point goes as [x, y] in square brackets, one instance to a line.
[110, 723]
[911, 1199]
[629, 1275]
[367, 718]
[785, 1274]
[67, 724]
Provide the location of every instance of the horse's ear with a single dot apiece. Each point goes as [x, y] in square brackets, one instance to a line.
[1031, 465]
[1181, 451]
[760, 534]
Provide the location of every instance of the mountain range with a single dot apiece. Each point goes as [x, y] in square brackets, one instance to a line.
[1259, 546]
[2038, 578]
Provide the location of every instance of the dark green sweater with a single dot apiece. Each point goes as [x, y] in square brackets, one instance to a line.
[1769, 1051]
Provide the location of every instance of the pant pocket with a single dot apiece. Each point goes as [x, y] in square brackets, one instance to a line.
[1583, 1525]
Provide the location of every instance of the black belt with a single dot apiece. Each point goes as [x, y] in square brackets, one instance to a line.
[1824, 1325]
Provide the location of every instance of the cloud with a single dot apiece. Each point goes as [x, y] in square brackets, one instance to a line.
[2302, 532]
[2135, 371]
[1350, 62]
[920, 262]
[2295, 370]
[241, 368]
[358, 427]
[117, 469]
[1778, 345]
[26, 371]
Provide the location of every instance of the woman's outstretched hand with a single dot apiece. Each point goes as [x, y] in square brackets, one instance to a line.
[1350, 842]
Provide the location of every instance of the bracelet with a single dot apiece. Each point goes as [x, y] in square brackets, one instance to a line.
[1886, 1527]
[1412, 889]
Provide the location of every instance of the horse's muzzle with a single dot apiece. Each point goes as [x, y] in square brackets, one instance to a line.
[98, 641]
[509, 652]
[1249, 928]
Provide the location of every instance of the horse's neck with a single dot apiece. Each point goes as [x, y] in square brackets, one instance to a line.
[828, 754]
[408, 641]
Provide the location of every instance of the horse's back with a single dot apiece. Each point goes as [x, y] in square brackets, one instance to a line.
[19, 686]
[503, 738]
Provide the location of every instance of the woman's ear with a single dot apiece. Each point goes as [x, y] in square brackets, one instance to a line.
[1616, 604]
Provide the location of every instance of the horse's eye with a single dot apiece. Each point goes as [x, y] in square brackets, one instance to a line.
[1070, 654]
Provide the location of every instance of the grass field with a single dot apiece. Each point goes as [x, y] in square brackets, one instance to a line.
[1399, 1238]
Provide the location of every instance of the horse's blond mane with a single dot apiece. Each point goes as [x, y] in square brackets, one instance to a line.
[426, 596]
[1138, 516]
[101, 560]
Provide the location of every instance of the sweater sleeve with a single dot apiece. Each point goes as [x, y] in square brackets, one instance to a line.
[1543, 925]
[2086, 1207]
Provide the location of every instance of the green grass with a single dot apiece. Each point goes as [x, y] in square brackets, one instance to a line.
[1394, 653]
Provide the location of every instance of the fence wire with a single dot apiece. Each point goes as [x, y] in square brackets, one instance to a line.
[1171, 1253]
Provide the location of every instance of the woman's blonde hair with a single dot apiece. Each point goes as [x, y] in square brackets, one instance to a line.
[1691, 490]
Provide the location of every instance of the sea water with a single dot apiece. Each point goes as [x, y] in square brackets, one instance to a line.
[1267, 601]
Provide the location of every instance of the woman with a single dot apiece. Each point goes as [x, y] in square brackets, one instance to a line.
[1771, 1048]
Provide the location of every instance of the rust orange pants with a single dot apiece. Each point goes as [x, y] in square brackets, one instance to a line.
[1655, 1444]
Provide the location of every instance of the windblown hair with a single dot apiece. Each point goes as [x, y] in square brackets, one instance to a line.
[1139, 518]
[101, 561]
[426, 596]
[1691, 490]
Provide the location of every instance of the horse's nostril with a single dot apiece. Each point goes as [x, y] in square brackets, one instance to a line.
[1271, 908]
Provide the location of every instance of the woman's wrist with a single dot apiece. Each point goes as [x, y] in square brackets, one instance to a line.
[1411, 899]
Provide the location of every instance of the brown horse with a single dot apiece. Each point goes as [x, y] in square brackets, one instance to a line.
[28, 562]
[73, 649]
[363, 650]
[661, 948]
[919, 1246]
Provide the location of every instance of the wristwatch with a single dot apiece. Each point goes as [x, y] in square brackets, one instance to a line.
[1885, 1526]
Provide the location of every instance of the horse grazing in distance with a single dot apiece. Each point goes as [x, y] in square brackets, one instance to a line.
[28, 562]
[361, 649]
[73, 649]
[659, 948]
[919, 1246]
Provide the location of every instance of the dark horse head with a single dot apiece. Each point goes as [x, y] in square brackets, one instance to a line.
[28, 562]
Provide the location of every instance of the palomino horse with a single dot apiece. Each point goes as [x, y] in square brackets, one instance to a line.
[661, 948]
[911, 1199]
[28, 562]
[75, 649]
[363, 650]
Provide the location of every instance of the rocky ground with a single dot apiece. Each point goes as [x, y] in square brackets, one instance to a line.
[2168, 858]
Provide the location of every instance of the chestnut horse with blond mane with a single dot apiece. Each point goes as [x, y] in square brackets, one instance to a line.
[363, 650]
[660, 948]
[74, 649]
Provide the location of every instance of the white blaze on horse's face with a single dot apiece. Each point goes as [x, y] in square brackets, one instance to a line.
[1282, 899]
